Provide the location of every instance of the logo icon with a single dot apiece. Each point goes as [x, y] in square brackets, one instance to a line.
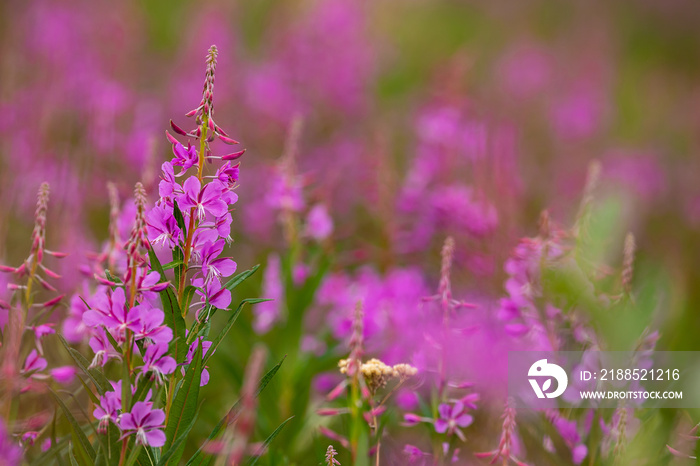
[543, 369]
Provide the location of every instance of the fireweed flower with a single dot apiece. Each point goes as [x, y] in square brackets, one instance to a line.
[34, 363]
[213, 267]
[330, 456]
[185, 158]
[39, 332]
[115, 315]
[509, 445]
[168, 186]
[268, 312]
[10, 452]
[151, 327]
[102, 348]
[190, 357]
[64, 374]
[146, 423]
[162, 227]
[108, 410]
[157, 363]
[319, 224]
[206, 200]
[452, 418]
[212, 293]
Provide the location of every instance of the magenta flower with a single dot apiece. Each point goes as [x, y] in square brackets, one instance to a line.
[151, 327]
[319, 225]
[34, 363]
[228, 174]
[157, 363]
[185, 158]
[39, 332]
[28, 438]
[108, 410]
[452, 418]
[10, 452]
[168, 184]
[162, 227]
[190, 356]
[213, 293]
[146, 423]
[203, 200]
[214, 267]
[268, 312]
[64, 374]
[115, 315]
[103, 349]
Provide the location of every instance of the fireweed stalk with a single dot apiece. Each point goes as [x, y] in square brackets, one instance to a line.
[145, 414]
[451, 399]
[24, 315]
[366, 400]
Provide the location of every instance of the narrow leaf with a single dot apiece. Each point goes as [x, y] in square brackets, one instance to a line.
[98, 378]
[177, 443]
[231, 320]
[184, 406]
[240, 278]
[76, 431]
[232, 415]
[267, 442]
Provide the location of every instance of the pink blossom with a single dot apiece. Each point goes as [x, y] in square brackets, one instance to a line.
[319, 224]
[146, 423]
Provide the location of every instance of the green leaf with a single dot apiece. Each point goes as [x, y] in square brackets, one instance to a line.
[233, 414]
[179, 218]
[86, 451]
[174, 320]
[112, 341]
[136, 452]
[240, 278]
[184, 407]
[177, 443]
[98, 378]
[269, 376]
[73, 461]
[172, 265]
[88, 391]
[112, 278]
[187, 297]
[267, 442]
[231, 320]
[178, 256]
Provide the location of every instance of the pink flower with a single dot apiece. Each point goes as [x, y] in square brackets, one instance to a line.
[267, 313]
[114, 315]
[205, 200]
[103, 349]
[162, 227]
[34, 363]
[157, 363]
[185, 158]
[151, 327]
[108, 410]
[63, 375]
[319, 225]
[213, 293]
[213, 267]
[190, 356]
[146, 423]
[452, 418]
[10, 452]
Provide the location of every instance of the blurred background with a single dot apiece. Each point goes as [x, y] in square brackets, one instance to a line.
[373, 131]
